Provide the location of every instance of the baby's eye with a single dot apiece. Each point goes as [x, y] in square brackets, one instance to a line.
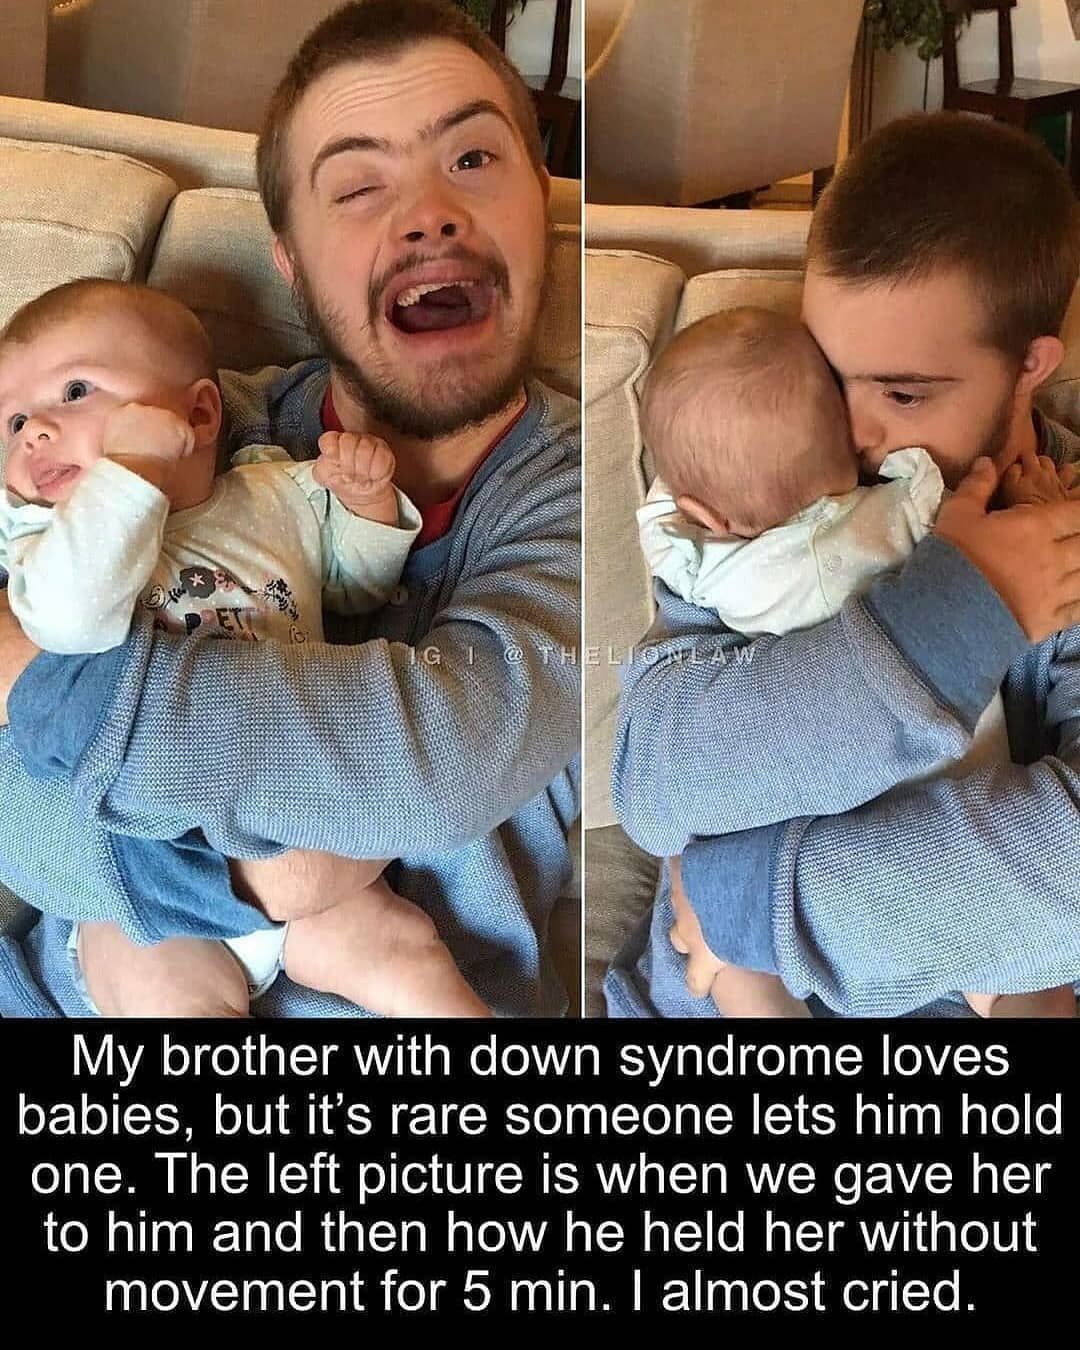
[473, 159]
[902, 399]
[16, 423]
[76, 389]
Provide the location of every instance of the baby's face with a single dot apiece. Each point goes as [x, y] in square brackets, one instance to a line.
[57, 390]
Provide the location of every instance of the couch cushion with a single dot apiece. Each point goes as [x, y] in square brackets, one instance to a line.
[66, 212]
[702, 241]
[714, 291]
[558, 343]
[620, 883]
[214, 255]
[630, 304]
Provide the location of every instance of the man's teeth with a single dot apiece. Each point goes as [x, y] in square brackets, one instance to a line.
[413, 294]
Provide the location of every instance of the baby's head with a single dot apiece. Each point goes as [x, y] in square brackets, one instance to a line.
[745, 422]
[70, 357]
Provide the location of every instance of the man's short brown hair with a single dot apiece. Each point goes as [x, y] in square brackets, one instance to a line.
[368, 30]
[945, 190]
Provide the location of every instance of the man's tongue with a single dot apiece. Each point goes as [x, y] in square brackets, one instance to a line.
[448, 307]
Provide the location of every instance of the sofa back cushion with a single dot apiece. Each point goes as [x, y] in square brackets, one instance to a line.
[630, 305]
[66, 212]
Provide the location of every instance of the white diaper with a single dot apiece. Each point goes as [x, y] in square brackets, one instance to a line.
[262, 956]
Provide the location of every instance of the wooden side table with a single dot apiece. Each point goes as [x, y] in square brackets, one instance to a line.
[557, 108]
[1008, 99]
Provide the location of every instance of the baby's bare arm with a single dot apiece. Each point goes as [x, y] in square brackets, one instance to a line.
[301, 882]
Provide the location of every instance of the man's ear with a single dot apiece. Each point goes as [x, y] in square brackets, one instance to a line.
[545, 183]
[1043, 357]
[282, 258]
[206, 412]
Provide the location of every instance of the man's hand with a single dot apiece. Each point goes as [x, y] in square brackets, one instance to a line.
[1029, 554]
[16, 653]
[702, 966]
[151, 442]
[359, 471]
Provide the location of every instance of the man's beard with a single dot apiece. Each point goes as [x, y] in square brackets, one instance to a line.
[997, 435]
[470, 399]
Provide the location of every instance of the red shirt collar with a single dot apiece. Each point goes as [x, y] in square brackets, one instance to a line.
[438, 516]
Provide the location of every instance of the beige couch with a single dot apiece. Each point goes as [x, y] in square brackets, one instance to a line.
[100, 194]
[651, 271]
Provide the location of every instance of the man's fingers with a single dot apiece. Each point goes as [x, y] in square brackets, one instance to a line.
[1029, 458]
[979, 485]
[1065, 520]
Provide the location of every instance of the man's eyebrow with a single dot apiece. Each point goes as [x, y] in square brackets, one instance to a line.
[477, 108]
[902, 377]
[341, 145]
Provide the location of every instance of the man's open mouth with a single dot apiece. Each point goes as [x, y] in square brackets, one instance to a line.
[436, 305]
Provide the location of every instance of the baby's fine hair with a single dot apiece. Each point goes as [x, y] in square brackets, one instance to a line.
[740, 411]
[168, 323]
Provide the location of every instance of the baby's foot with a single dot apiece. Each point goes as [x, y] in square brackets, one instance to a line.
[1060, 1002]
[750, 993]
[380, 951]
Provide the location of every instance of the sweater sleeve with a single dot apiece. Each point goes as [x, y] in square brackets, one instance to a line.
[716, 734]
[368, 751]
[76, 571]
[952, 884]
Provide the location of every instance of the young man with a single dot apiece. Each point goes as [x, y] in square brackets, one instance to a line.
[402, 174]
[940, 265]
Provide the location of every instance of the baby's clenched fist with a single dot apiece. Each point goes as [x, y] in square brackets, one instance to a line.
[359, 471]
[143, 432]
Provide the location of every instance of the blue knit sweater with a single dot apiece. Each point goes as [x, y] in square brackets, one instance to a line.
[769, 767]
[442, 730]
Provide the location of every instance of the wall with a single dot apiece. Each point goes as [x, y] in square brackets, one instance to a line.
[1043, 46]
[528, 39]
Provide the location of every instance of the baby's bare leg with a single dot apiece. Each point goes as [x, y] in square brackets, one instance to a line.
[379, 950]
[302, 881]
[751, 993]
[1059, 1002]
[181, 977]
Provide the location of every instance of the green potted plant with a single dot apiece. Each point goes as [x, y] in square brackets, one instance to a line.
[480, 10]
[913, 23]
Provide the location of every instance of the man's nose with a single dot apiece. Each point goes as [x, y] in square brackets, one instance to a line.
[432, 214]
[868, 434]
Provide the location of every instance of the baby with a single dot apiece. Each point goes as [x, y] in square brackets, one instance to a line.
[757, 514]
[110, 415]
